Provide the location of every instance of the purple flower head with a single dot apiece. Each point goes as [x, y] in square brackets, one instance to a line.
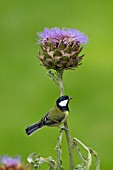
[67, 35]
[61, 48]
[8, 161]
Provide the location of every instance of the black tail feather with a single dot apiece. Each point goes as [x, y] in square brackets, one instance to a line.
[31, 129]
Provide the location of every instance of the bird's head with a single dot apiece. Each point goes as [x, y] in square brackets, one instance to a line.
[62, 103]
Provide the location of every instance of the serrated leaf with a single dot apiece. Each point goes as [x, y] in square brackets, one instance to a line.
[80, 167]
[37, 161]
[31, 158]
[51, 162]
[97, 158]
[87, 162]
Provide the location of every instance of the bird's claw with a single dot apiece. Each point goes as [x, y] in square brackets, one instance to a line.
[63, 128]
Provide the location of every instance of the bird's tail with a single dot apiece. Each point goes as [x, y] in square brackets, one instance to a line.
[34, 127]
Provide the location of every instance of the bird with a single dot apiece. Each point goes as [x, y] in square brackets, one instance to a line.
[55, 117]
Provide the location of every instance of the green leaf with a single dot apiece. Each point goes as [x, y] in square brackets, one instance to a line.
[80, 167]
[51, 162]
[86, 162]
[37, 161]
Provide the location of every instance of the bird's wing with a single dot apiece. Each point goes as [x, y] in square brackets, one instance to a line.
[47, 121]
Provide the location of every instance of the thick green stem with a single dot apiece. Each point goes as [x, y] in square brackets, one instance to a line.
[70, 146]
[67, 132]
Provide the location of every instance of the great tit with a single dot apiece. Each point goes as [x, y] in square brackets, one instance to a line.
[54, 117]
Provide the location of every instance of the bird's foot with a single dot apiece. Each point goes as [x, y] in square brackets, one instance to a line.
[63, 128]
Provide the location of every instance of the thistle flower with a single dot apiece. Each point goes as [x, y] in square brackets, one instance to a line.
[61, 48]
[9, 163]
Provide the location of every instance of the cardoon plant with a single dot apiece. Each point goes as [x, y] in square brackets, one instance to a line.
[60, 50]
[12, 163]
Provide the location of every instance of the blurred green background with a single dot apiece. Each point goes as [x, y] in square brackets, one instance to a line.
[26, 93]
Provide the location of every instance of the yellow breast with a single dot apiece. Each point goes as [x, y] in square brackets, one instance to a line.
[57, 115]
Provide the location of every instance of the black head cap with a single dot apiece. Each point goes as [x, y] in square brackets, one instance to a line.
[62, 103]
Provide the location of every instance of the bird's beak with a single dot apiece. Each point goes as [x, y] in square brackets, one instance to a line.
[70, 98]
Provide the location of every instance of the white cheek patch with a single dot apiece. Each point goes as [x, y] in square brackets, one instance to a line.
[63, 103]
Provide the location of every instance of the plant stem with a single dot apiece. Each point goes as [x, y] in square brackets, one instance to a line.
[67, 132]
[70, 146]
[59, 152]
[60, 82]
